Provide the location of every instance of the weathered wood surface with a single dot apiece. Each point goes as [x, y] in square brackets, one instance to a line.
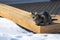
[19, 16]
[24, 19]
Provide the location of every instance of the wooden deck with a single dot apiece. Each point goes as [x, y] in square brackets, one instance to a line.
[23, 18]
[20, 17]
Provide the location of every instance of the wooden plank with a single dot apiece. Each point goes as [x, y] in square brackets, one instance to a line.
[21, 17]
[24, 19]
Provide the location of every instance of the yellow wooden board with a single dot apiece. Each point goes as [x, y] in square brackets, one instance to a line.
[24, 19]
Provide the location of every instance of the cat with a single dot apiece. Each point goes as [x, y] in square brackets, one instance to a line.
[42, 18]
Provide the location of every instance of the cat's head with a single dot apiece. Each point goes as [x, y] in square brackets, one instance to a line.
[35, 15]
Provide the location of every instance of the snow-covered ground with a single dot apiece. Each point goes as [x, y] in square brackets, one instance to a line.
[10, 31]
[7, 26]
[30, 37]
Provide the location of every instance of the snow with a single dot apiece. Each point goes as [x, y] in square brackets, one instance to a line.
[7, 26]
[10, 31]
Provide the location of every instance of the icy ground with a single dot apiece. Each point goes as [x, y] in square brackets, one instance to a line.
[10, 31]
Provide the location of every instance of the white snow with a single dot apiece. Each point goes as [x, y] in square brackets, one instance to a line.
[10, 31]
[7, 26]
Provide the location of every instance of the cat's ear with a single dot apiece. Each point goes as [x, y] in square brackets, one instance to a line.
[36, 13]
[33, 13]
